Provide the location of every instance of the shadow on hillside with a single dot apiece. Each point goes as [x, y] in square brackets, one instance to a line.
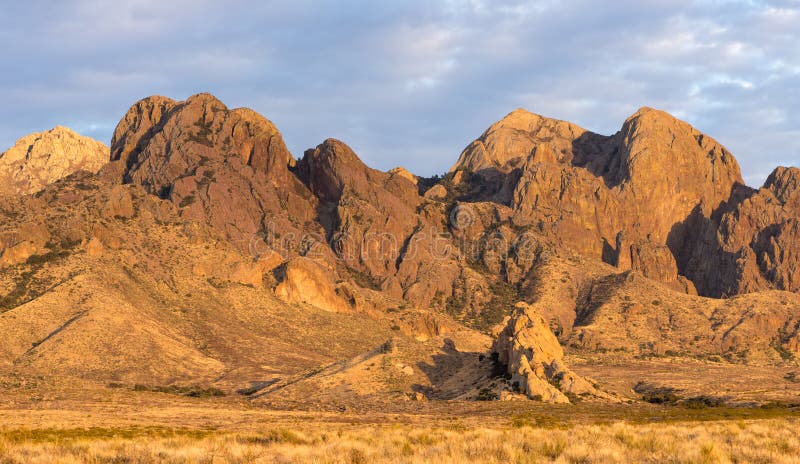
[449, 364]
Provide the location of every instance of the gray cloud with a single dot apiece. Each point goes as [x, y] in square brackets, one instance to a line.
[413, 82]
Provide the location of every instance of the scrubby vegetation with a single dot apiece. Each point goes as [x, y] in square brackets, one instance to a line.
[191, 391]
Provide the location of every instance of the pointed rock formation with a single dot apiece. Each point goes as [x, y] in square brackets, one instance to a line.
[368, 214]
[534, 359]
[39, 159]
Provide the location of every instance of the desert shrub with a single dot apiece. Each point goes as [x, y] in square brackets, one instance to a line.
[703, 401]
[504, 297]
[46, 257]
[364, 279]
[553, 449]
[357, 456]
[656, 395]
[190, 391]
[202, 135]
[661, 396]
[486, 394]
[530, 419]
[19, 294]
[273, 437]
[187, 200]
[785, 354]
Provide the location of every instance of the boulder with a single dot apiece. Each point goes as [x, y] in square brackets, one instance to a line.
[119, 203]
[437, 192]
[306, 282]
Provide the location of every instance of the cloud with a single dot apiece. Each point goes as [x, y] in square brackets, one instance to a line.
[413, 82]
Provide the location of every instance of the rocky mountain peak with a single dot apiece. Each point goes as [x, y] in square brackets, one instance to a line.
[329, 167]
[784, 183]
[42, 158]
[230, 168]
[206, 99]
[650, 132]
[508, 143]
[137, 124]
[332, 168]
[160, 139]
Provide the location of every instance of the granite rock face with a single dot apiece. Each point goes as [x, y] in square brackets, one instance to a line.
[228, 168]
[368, 214]
[305, 281]
[754, 244]
[627, 199]
[39, 159]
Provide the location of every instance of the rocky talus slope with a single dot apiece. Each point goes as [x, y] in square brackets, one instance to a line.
[37, 160]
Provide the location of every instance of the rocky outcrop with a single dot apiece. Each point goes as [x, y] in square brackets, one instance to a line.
[655, 261]
[437, 192]
[39, 159]
[534, 359]
[403, 172]
[306, 282]
[368, 214]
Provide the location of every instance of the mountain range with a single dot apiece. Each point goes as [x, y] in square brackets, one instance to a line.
[550, 263]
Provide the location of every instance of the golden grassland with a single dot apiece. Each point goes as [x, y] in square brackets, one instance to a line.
[111, 426]
[522, 441]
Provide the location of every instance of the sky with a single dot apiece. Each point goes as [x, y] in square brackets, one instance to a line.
[412, 82]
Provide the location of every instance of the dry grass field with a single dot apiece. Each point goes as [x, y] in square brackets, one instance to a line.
[147, 427]
[765, 441]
